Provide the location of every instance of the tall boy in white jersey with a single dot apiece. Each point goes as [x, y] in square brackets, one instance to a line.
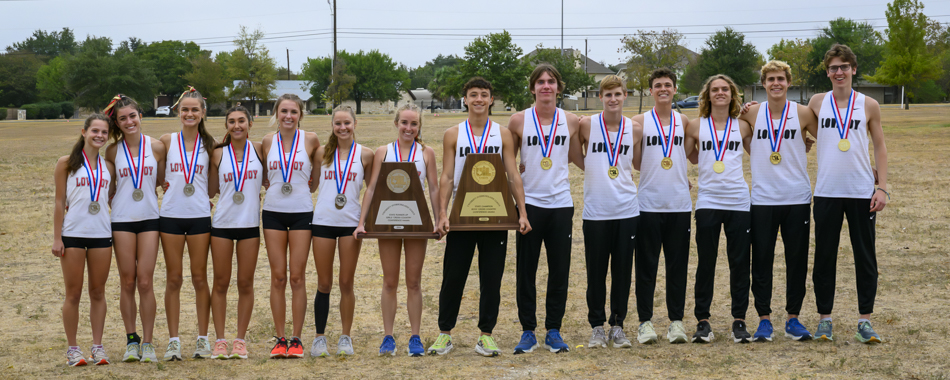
[781, 198]
[547, 137]
[665, 208]
[846, 186]
[477, 134]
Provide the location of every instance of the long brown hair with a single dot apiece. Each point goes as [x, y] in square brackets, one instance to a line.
[411, 107]
[206, 138]
[227, 135]
[112, 110]
[705, 103]
[75, 156]
[332, 143]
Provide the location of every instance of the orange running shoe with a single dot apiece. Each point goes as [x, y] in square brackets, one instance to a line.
[238, 349]
[295, 348]
[280, 349]
[220, 350]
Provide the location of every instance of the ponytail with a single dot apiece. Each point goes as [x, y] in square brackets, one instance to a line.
[75, 155]
[332, 142]
[411, 107]
[118, 102]
[206, 138]
[227, 135]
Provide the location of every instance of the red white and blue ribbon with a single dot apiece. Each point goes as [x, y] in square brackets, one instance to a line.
[667, 142]
[137, 171]
[613, 153]
[190, 165]
[412, 152]
[471, 136]
[546, 144]
[287, 167]
[94, 176]
[719, 145]
[341, 173]
[240, 172]
[775, 135]
[844, 129]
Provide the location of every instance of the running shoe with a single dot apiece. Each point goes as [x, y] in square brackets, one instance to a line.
[486, 346]
[618, 339]
[676, 333]
[220, 350]
[132, 353]
[527, 344]
[295, 348]
[824, 331]
[704, 333]
[344, 346]
[554, 343]
[238, 349]
[795, 330]
[415, 346]
[442, 345]
[319, 347]
[280, 349]
[764, 333]
[388, 347]
[173, 351]
[646, 334]
[99, 356]
[202, 349]
[75, 358]
[598, 338]
[148, 353]
[866, 334]
[739, 333]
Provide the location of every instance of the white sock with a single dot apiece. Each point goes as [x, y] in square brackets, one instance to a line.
[205, 337]
[864, 320]
[221, 340]
[239, 340]
[73, 348]
[175, 339]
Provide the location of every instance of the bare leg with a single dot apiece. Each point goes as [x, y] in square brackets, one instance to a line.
[299, 253]
[222, 251]
[390, 254]
[349, 256]
[198, 255]
[323, 255]
[415, 258]
[275, 241]
[73, 263]
[173, 247]
[99, 260]
[246, 264]
[125, 244]
[147, 253]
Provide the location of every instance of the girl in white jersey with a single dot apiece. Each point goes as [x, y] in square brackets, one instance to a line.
[236, 173]
[139, 161]
[185, 217]
[288, 209]
[408, 147]
[82, 235]
[335, 217]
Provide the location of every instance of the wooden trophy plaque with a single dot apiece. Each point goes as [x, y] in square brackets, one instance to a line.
[398, 209]
[483, 200]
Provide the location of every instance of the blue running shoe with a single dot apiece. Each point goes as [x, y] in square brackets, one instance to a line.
[527, 344]
[388, 347]
[795, 330]
[415, 346]
[554, 342]
[824, 331]
[764, 332]
[866, 334]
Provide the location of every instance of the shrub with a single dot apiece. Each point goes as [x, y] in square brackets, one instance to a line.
[32, 111]
[215, 112]
[3, 113]
[68, 109]
[50, 110]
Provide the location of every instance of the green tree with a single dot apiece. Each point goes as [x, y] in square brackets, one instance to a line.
[51, 83]
[208, 76]
[95, 75]
[442, 85]
[727, 52]
[421, 76]
[47, 45]
[252, 67]
[317, 74]
[692, 80]
[341, 84]
[650, 50]
[570, 65]
[170, 61]
[797, 54]
[18, 78]
[132, 45]
[906, 62]
[861, 37]
[378, 77]
[496, 58]
[938, 45]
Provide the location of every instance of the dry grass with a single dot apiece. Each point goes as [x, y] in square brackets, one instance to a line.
[912, 302]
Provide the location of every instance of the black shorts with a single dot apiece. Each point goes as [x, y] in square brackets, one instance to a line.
[331, 232]
[184, 226]
[284, 221]
[87, 243]
[136, 227]
[236, 233]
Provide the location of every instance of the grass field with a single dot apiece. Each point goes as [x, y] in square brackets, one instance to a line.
[911, 311]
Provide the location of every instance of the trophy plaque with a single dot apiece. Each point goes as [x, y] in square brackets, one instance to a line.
[398, 209]
[483, 200]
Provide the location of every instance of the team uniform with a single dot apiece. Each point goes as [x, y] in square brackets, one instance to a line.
[844, 186]
[86, 226]
[288, 210]
[329, 221]
[665, 208]
[129, 214]
[183, 214]
[416, 157]
[233, 220]
[723, 202]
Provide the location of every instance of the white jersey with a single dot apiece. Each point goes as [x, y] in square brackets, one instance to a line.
[299, 199]
[326, 213]
[465, 143]
[546, 188]
[786, 183]
[175, 204]
[417, 157]
[663, 190]
[124, 207]
[227, 213]
[727, 190]
[78, 222]
[843, 174]
[608, 198]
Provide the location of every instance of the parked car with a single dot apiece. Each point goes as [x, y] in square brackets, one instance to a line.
[163, 111]
[690, 102]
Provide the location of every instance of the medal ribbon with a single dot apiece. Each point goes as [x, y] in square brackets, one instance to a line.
[341, 187]
[412, 152]
[240, 172]
[775, 140]
[287, 167]
[720, 144]
[667, 143]
[471, 136]
[94, 176]
[546, 146]
[614, 150]
[848, 114]
[190, 165]
[137, 171]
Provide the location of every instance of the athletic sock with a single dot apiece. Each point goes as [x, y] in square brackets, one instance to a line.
[220, 340]
[133, 338]
[864, 320]
[175, 339]
[825, 319]
[74, 348]
[95, 346]
[239, 340]
[321, 309]
[205, 337]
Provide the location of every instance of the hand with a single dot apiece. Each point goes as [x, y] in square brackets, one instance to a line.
[165, 186]
[443, 226]
[809, 142]
[266, 183]
[359, 230]
[523, 226]
[878, 201]
[745, 107]
[690, 185]
[59, 249]
[521, 168]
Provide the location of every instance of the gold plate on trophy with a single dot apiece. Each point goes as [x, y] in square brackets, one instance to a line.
[398, 209]
[483, 200]
[397, 181]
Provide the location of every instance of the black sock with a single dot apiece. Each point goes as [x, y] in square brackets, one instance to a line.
[321, 309]
[133, 338]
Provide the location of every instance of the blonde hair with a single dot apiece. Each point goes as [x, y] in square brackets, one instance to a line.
[612, 81]
[332, 143]
[705, 103]
[414, 108]
[291, 97]
[775, 65]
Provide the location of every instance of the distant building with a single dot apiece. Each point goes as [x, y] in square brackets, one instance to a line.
[263, 107]
[882, 93]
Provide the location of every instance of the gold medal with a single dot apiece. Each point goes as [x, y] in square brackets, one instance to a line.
[546, 163]
[613, 172]
[844, 145]
[666, 163]
[719, 167]
[775, 158]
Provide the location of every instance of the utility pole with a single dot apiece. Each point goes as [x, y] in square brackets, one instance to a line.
[288, 64]
[586, 88]
[332, 4]
[562, 27]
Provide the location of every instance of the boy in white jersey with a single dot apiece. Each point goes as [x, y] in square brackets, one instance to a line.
[846, 186]
[547, 137]
[665, 208]
[781, 197]
[477, 134]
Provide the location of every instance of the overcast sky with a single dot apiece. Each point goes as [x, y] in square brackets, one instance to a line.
[413, 32]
